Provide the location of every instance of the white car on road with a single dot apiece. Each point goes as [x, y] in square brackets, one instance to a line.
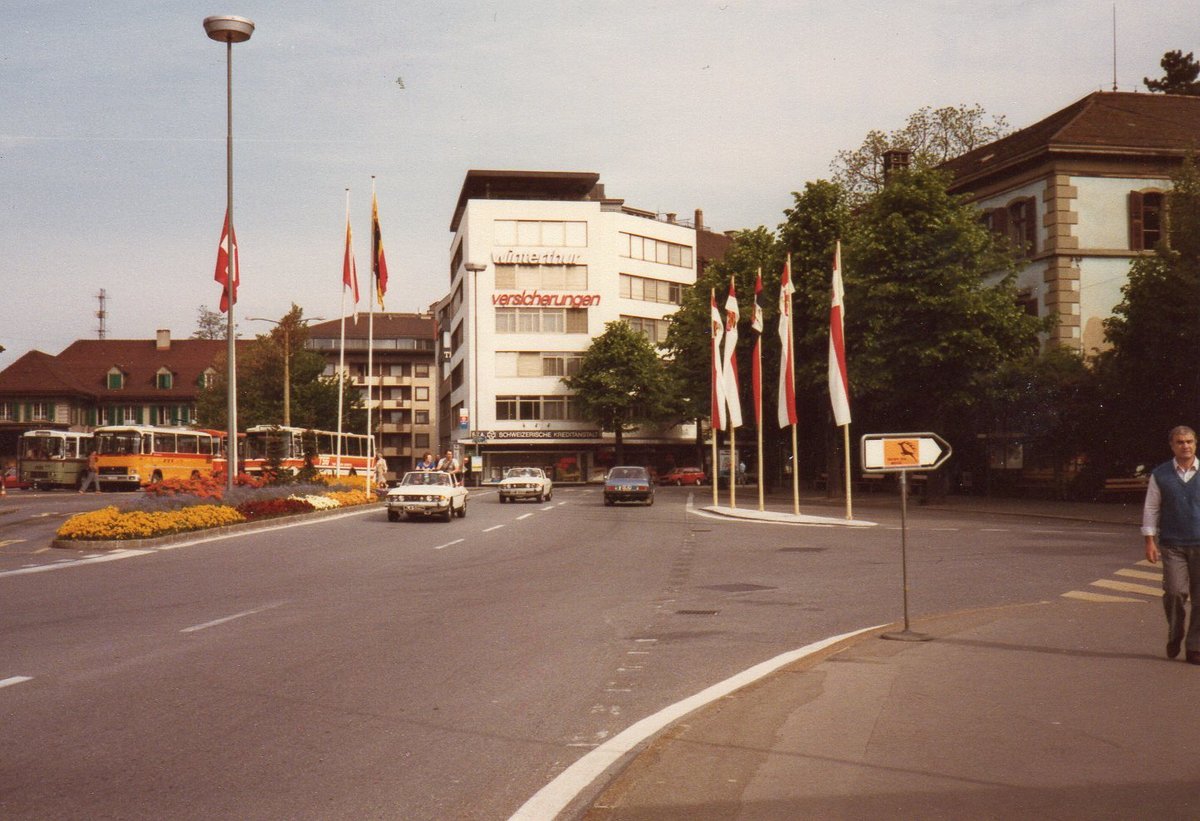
[427, 493]
[525, 483]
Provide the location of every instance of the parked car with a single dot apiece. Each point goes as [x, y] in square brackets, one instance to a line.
[628, 484]
[525, 483]
[684, 476]
[13, 481]
[427, 493]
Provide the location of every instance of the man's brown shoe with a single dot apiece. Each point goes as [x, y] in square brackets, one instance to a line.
[1193, 656]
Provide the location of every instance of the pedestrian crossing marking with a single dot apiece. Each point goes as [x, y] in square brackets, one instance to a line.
[1140, 574]
[1127, 587]
[7, 542]
[1097, 597]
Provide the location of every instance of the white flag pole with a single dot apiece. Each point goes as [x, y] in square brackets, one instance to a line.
[849, 482]
[341, 365]
[372, 456]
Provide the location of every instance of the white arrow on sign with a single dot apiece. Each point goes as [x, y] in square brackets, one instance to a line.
[904, 451]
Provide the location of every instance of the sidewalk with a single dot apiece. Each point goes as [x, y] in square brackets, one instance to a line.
[1059, 709]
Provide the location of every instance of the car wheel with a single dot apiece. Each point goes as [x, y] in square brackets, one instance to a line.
[156, 477]
[549, 495]
[462, 511]
[393, 516]
[448, 516]
[503, 500]
[650, 501]
[608, 502]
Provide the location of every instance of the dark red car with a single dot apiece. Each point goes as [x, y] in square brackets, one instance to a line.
[683, 476]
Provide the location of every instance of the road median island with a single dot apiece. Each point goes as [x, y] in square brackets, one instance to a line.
[210, 533]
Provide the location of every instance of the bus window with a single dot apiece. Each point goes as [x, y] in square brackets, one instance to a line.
[163, 443]
[187, 443]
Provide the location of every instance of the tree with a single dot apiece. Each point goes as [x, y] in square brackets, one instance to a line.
[621, 383]
[1179, 75]
[931, 307]
[932, 135]
[1148, 380]
[210, 324]
[313, 396]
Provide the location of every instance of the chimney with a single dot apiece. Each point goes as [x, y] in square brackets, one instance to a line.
[895, 159]
[699, 220]
[163, 342]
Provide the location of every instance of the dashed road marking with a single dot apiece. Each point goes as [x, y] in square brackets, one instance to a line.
[493, 527]
[11, 680]
[215, 622]
[524, 516]
[449, 544]
[7, 542]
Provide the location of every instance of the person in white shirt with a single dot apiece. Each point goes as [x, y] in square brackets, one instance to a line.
[449, 464]
[1171, 530]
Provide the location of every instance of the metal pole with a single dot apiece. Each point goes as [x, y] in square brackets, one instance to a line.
[287, 377]
[906, 634]
[231, 447]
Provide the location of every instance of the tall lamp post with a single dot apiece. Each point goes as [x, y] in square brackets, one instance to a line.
[287, 360]
[229, 30]
[475, 268]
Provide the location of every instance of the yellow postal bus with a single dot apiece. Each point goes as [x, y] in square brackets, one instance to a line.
[133, 456]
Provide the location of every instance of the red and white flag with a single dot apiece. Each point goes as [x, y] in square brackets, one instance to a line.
[787, 371]
[350, 270]
[718, 387]
[839, 385]
[222, 275]
[756, 323]
[729, 371]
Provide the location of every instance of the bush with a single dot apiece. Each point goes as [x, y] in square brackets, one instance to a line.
[269, 508]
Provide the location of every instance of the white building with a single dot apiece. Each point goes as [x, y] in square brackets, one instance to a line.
[1082, 193]
[540, 262]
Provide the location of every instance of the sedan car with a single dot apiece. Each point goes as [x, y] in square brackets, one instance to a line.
[628, 484]
[425, 493]
[525, 483]
[683, 476]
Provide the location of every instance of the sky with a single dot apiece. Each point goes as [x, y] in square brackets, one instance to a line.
[113, 126]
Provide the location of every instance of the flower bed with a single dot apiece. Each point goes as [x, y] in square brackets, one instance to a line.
[179, 507]
[108, 523]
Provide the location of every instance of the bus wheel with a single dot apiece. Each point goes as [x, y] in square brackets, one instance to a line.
[156, 477]
[195, 474]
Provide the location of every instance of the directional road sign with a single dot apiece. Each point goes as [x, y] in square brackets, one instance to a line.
[891, 452]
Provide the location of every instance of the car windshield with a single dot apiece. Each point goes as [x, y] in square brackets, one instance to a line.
[426, 478]
[524, 472]
[629, 473]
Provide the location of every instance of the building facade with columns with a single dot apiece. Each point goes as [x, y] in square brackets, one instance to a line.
[539, 263]
[1081, 194]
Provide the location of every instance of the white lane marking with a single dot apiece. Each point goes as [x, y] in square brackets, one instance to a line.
[493, 527]
[560, 504]
[553, 798]
[1127, 587]
[524, 516]
[1101, 597]
[109, 557]
[7, 542]
[1048, 531]
[11, 680]
[225, 619]
[450, 544]
[994, 530]
[1140, 574]
[547, 507]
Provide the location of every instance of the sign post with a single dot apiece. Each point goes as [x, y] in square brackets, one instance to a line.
[902, 453]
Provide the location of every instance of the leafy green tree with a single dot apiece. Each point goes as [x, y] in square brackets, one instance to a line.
[931, 308]
[210, 324]
[260, 374]
[1148, 379]
[932, 135]
[1179, 74]
[621, 383]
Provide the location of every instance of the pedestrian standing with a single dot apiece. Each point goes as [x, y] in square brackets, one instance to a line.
[92, 475]
[1171, 527]
[381, 469]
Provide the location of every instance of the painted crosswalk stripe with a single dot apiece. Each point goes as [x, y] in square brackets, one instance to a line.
[1140, 574]
[1098, 597]
[1127, 587]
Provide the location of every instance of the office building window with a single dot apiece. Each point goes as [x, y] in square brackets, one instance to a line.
[654, 329]
[541, 233]
[541, 277]
[654, 250]
[651, 290]
[541, 320]
[534, 408]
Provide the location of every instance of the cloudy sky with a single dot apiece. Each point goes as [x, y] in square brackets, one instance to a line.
[112, 125]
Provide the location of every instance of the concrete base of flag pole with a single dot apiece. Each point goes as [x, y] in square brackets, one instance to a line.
[774, 517]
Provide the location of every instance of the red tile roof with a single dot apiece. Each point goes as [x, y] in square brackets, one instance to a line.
[387, 326]
[1116, 124]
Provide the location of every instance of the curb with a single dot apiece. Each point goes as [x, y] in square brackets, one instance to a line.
[211, 532]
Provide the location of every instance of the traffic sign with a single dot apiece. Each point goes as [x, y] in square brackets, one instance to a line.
[893, 452]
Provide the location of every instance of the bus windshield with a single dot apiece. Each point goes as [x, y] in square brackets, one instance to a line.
[118, 443]
[42, 447]
[267, 444]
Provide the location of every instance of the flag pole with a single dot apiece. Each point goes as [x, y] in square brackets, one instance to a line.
[732, 466]
[849, 483]
[791, 332]
[715, 472]
[372, 456]
[341, 366]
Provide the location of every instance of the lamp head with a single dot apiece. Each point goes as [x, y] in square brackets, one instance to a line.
[228, 29]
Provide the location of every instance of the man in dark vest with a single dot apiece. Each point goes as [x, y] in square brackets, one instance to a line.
[1171, 526]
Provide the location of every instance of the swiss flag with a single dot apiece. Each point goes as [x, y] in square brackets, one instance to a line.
[228, 239]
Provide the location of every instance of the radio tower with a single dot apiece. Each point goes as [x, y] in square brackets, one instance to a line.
[102, 313]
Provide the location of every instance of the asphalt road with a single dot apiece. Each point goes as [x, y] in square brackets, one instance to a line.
[359, 668]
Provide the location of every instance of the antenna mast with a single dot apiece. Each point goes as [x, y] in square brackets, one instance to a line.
[1114, 46]
[102, 314]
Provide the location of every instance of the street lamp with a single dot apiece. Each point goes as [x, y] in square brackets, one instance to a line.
[229, 30]
[475, 268]
[287, 360]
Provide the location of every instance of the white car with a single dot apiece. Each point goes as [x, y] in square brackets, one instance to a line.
[427, 493]
[525, 483]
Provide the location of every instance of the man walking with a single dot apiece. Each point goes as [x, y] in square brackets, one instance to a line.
[91, 476]
[1171, 527]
